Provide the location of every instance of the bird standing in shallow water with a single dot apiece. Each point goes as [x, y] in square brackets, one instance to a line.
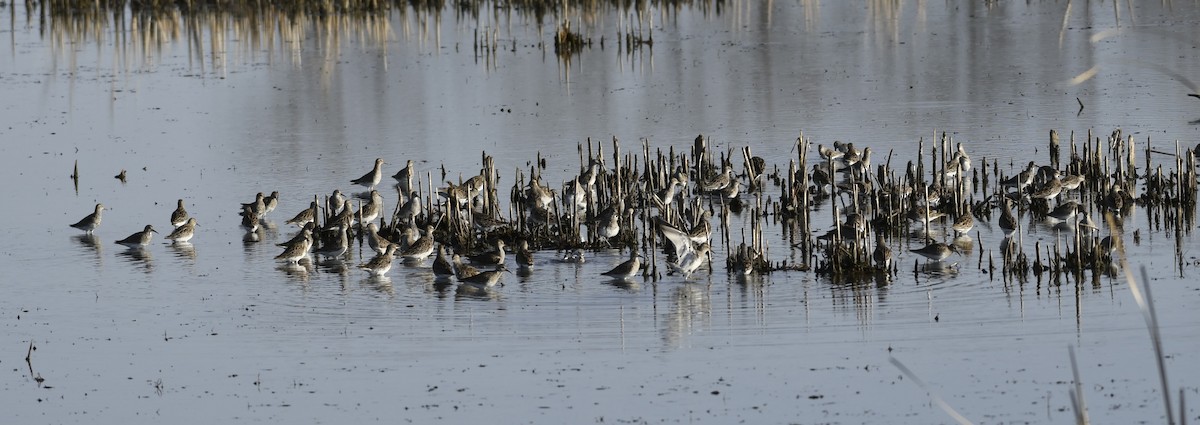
[1049, 191]
[720, 181]
[420, 248]
[935, 251]
[441, 267]
[490, 257]
[486, 279]
[139, 239]
[882, 255]
[91, 222]
[249, 218]
[963, 224]
[627, 269]
[258, 207]
[308, 215]
[338, 247]
[462, 270]
[378, 243]
[372, 177]
[404, 177]
[180, 215]
[270, 202]
[184, 232]
[524, 255]
[1007, 222]
[298, 247]
[381, 263]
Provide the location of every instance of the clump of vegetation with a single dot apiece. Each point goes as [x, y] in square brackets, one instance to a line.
[567, 42]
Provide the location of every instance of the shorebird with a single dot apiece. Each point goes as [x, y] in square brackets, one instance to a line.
[338, 247]
[270, 202]
[1086, 223]
[420, 248]
[666, 196]
[304, 236]
[1022, 179]
[574, 196]
[258, 207]
[1072, 181]
[882, 255]
[378, 243]
[691, 260]
[441, 267]
[744, 260]
[827, 153]
[1007, 221]
[682, 241]
[1049, 191]
[524, 255]
[180, 215]
[609, 228]
[408, 236]
[963, 224]
[343, 218]
[184, 232]
[917, 215]
[308, 215]
[411, 208]
[336, 200]
[538, 196]
[490, 257]
[405, 177]
[139, 239]
[299, 249]
[474, 187]
[1108, 245]
[935, 251]
[1064, 211]
[372, 209]
[719, 181]
[249, 218]
[627, 269]
[575, 256]
[486, 279]
[381, 263]
[731, 191]
[91, 222]
[372, 177]
[462, 270]
[850, 155]
[958, 165]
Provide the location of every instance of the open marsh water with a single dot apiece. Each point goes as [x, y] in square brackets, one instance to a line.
[219, 332]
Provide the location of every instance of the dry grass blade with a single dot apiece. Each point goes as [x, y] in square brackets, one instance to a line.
[1084, 76]
[936, 399]
[1077, 403]
[1146, 303]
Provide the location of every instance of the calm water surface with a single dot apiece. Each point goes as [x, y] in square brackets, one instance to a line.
[219, 332]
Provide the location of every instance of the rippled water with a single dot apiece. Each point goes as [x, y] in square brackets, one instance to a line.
[220, 332]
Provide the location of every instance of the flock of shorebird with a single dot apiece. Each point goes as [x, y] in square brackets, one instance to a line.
[598, 200]
[327, 231]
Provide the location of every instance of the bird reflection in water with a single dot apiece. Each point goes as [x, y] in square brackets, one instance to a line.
[88, 242]
[689, 303]
[381, 284]
[139, 257]
[299, 270]
[183, 250]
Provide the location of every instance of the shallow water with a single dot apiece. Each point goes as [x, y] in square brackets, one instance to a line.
[220, 332]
